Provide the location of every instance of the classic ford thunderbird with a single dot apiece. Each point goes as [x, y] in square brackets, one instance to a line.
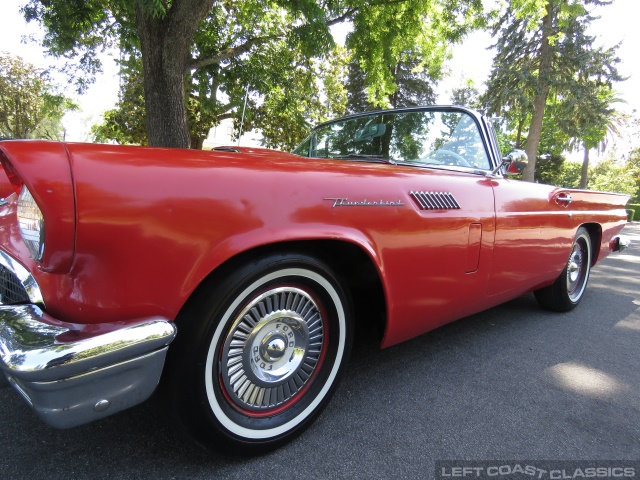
[233, 279]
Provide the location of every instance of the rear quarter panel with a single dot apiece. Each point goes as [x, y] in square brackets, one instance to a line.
[605, 209]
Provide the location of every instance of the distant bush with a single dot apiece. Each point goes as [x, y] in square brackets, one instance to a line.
[633, 209]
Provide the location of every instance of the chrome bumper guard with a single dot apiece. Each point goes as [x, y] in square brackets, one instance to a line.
[621, 243]
[70, 383]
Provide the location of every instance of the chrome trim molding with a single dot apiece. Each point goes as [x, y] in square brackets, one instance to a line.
[69, 383]
[435, 200]
[345, 202]
[28, 282]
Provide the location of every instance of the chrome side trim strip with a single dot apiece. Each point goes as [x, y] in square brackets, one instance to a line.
[28, 282]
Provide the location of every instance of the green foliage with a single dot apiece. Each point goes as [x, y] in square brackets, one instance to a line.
[633, 170]
[570, 175]
[77, 30]
[568, 78]
[609, 177]
[270, 47]
[126, 123]
[55, 107]
[550, 170]
[297, 98]
[28, 101]
[21, 101]
[413, 87]
[466, 95]
[556, 171]
[417, 33]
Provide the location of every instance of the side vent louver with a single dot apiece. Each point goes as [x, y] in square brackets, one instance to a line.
[435, 200]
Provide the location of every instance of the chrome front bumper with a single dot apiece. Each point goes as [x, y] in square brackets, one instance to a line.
[68, 381]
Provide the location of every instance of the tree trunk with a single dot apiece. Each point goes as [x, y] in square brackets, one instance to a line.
[519, 135]
[535, 129]
[393, 98]
[196, 142]
[165, 43]
[584, 175]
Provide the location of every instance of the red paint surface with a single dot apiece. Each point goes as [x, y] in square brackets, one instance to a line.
[132, 231]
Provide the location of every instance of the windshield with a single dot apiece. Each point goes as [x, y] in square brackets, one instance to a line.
[429, 137]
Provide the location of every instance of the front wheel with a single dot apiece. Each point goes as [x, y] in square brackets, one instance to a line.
[261, 353]
[568, 289]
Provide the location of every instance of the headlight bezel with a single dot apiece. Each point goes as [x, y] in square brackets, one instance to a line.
[31, 223]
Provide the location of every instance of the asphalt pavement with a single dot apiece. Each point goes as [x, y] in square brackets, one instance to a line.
[514, 382]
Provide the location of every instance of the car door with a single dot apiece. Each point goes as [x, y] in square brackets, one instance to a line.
[441, 269]
[534, 231]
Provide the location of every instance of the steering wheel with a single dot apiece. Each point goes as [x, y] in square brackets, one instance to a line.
[448, 157]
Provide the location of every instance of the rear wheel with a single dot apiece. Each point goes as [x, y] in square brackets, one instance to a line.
[261, 352]
[568, 289]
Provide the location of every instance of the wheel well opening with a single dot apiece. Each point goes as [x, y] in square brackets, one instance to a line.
[352, 266]
[595, 235]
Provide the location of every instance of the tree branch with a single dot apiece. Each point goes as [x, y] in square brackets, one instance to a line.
[224, 116]
[342, 17]
[230, 52]
[351, 11]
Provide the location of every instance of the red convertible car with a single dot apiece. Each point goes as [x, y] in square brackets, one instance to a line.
[233, 278]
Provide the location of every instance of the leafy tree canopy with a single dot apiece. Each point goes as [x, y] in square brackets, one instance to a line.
[545, 57]
[198, 57]
[29, 105]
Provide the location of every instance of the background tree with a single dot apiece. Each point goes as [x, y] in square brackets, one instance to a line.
[401, 46]
[126, 123]
[595, 122]
[466, 95]
[298, 97]
[632, 167]
[55, 107]
[608, 176]
[414, 86]
[172, 40]
[543, 53]
[586, 114]
[196, 55]
[28, 101]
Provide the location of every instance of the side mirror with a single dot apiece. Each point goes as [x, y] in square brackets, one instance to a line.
[513, 163]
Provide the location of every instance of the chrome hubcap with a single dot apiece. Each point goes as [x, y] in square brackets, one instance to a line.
[576, 271]
[272, 349]
[575, 264]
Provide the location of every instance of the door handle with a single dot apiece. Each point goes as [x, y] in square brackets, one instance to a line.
[564, 199]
